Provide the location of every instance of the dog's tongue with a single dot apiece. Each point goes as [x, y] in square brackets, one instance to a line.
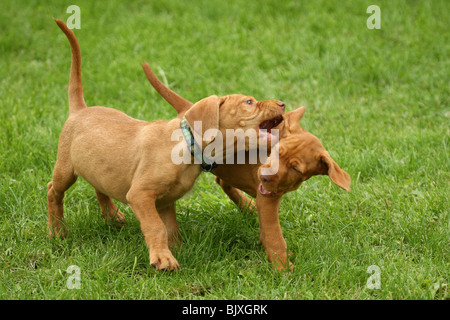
[270, 136]
[263, 191]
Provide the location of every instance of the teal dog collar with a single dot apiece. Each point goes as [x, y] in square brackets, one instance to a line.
[195, 149]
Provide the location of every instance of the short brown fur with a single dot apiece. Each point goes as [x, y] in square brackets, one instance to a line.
[300, 156]
[130, 160]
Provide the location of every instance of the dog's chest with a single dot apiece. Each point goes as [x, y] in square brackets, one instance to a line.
[184, 183]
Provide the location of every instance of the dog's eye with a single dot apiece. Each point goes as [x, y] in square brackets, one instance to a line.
[296, 170]
[249, 102]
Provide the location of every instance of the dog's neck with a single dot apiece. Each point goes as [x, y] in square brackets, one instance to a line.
[206, 164]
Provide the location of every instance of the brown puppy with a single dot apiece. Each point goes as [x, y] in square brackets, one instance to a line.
[298, 156]
[131, 160]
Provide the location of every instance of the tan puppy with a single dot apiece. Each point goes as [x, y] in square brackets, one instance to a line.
[298, 156]
[131, 160]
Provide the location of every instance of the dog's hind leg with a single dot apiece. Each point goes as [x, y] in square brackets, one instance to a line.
[109, 209]
[63, 178]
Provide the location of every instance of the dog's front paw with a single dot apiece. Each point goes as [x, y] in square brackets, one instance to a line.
[56, 231]
[118, 220]
[248, 205]
[280, 266]
[163, 260]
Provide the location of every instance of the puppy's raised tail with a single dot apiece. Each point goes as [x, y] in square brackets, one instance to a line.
[179, 103]
[76, 99]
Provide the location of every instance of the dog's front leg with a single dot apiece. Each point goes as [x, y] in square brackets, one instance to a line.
[142, 202]
[271, 236]
[237, 196]
[169, 218]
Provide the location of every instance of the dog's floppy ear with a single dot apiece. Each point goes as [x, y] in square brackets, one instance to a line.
[293, 117]
[202, 116]
[336, 174]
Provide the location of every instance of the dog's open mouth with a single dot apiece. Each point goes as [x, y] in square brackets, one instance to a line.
[268, 125]
[272, 123]
[265, 192]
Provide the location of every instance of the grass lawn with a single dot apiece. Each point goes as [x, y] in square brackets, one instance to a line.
[377, 99]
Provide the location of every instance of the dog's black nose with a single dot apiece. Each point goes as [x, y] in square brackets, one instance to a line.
[281, 104]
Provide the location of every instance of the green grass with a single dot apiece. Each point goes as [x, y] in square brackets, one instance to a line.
[377, 99]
